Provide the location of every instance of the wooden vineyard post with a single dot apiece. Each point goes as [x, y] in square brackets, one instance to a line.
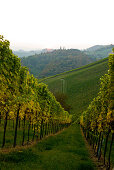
[5, 125]
[15, 136]
[110, 150]
[23, 131]
[106, 144]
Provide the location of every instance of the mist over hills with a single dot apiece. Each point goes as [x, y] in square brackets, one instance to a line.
[23, 53]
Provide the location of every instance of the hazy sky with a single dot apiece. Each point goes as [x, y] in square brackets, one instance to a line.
[34, 24]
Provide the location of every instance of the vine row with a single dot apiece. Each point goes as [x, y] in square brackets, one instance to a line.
[97, 121]
[25, 103]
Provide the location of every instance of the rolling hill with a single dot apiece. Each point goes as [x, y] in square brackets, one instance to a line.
[99, 51]
[55, 62]
[80, 85]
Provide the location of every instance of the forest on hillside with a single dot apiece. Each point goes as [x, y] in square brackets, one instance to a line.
[55, 62]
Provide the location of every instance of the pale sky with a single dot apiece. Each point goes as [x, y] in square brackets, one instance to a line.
[34, 24]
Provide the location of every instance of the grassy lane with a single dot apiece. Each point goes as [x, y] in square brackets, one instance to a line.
[64, 151]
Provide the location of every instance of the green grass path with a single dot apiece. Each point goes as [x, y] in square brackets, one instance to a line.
[63, 151]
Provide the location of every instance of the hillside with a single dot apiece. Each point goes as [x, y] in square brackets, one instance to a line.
[80, 85]
[99, 51]
[95, 47]
[55, 62]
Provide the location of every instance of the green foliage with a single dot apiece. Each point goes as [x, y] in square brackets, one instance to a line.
[100, 114]
[22, 96]
[62, 99]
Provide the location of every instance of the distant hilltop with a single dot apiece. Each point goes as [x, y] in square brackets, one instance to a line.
[99, 51]
[98, 47]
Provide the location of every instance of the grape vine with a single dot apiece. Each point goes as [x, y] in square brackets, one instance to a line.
[25, 102]
[98, 120]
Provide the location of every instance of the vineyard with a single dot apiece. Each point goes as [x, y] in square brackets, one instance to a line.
[98, 120]
[28, 110]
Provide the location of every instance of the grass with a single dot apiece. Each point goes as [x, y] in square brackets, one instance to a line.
[80, 85]
[65, 150]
